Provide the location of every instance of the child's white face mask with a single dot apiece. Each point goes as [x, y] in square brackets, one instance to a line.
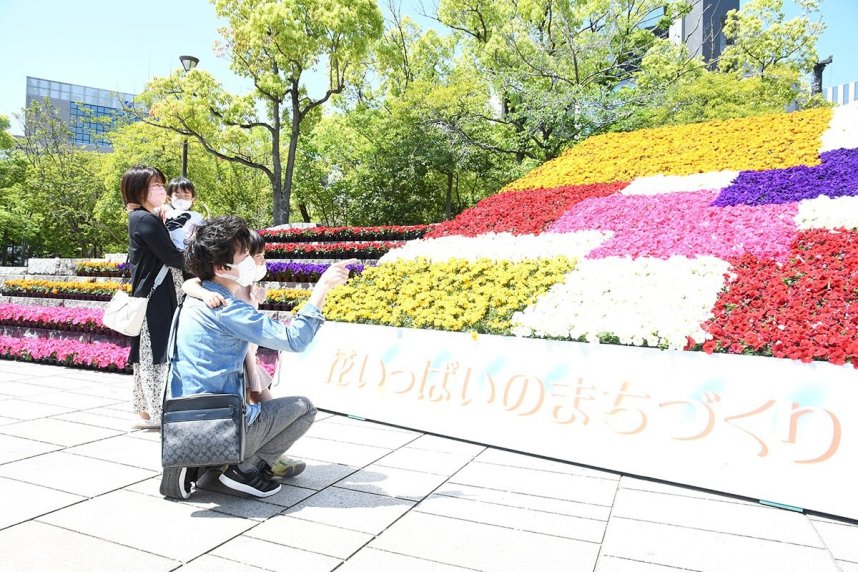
[261, 271]
[181, 204]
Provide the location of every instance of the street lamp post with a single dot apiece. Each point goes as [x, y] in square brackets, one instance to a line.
[188, 63]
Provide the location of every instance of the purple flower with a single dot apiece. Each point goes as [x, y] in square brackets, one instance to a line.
[837, 176]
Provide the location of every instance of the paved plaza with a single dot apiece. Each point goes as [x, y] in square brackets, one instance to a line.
[79, 491]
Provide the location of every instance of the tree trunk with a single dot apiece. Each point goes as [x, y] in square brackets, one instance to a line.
[293, 148]
[305, 214]
[449, 198]
[281, 206]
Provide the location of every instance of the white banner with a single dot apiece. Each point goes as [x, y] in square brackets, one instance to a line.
[765, 428]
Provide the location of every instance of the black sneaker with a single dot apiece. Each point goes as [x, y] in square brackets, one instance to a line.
[252, 482]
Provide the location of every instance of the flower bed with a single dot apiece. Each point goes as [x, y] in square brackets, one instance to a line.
[835, 177]
[342, 250]
[456, 295]
[301, 272]
[692, 254]
[68, 290]
[101, 268]
[86, 320]
[284, 299]
[805, 308]
[526, 212]
[345, 233]
[101, 356]
[753, 143]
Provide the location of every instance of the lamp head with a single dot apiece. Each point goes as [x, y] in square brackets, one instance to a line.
[189, 62]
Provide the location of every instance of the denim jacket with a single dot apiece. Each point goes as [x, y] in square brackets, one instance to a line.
[211, 343]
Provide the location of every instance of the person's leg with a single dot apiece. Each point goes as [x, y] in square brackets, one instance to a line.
[153, 377]
[280, 423]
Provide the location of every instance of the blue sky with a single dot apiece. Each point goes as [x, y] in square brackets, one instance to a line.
[120, 46]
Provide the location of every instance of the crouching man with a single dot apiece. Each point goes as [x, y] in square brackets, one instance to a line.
[211, 344]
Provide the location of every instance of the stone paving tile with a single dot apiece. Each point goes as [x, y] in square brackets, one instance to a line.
[14, 388]
[96, 419]
[425, 461]
[274, 556]
[336, 452]
[704, 550]
[319, 474]
[174, 530]
[25, 410]
[361, 435]
[611, 564]
[118, 392]
[23, 501]
[846, 566]
[70, 400]
[515, 518]
[510, 459]
[537, 483]
[58, 432]
[354, 422]
[60, 382]
[634, 483]
[311, 536]
[74, 473]
[123, 449]
[372, 560]
[8, 420]
[754, 521]
[354, 510]
[146, 435]
[288, 496]
[16, 448]
[518, 500]
[208, 563]
[206, 499]
[445, 445]
[37, 546]
[482, 546]
[841, 539]
[387, 481]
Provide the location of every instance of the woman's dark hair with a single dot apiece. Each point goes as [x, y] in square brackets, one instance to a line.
[257, 243]
[213, 244]
[181, 183]
[135, 183]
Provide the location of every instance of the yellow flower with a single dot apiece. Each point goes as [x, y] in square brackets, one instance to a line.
[754, 143]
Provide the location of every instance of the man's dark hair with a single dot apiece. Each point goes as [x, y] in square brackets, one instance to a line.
[183, 184]
[213, 244]
[135, 183]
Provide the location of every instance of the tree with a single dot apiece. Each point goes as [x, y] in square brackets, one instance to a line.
[557, 67]
[62, 186]
[273, 43]
[16, 232]
[763, 43]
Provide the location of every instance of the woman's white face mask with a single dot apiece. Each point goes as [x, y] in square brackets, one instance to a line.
[246, 272]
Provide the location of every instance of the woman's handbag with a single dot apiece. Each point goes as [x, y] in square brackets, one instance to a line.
[125, 313]
[202, 430]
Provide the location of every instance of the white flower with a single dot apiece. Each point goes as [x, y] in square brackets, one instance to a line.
[825, 212]
[500, 246]
[643, 301]
[842, 132]
[660, 184]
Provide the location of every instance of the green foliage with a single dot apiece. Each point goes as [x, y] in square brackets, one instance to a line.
[272, 43]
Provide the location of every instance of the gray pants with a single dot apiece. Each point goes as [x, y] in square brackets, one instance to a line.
[280, 423]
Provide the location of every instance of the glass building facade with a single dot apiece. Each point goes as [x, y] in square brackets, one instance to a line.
[89, 112]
